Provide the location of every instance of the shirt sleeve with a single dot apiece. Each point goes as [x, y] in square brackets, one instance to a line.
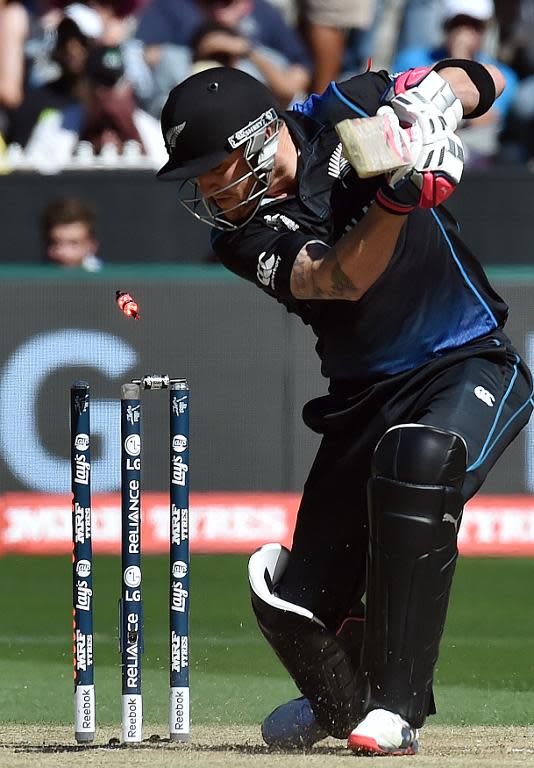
[262, 256]
[360, 96]
[364, 93]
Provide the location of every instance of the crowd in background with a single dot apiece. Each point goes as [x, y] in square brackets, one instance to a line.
[79, 80]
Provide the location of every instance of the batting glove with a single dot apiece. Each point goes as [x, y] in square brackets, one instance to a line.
[427, 127]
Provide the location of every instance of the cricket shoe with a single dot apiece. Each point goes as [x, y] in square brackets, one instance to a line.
[292, 726]
[383, 733]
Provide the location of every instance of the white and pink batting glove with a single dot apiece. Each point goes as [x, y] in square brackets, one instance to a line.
[420, 124]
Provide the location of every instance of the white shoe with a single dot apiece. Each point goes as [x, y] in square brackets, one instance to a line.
[383, 733]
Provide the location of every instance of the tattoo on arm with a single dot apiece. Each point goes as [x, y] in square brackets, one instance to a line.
[329, 283]
[341, 283]
[318, 292]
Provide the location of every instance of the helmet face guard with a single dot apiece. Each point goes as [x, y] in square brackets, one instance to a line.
[260, 141]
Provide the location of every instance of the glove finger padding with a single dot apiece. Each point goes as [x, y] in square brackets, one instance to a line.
[432, 89]
[434, 145]
[438, 156]
[435, 172]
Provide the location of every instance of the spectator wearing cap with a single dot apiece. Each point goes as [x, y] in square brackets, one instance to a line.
[465, 23]
[68, 232]
[258, 39]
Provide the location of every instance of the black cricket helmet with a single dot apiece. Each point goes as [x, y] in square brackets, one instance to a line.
[206, 118]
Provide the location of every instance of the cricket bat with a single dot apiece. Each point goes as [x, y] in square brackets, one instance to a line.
[375, 145]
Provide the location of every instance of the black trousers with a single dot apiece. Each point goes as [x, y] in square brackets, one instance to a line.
[482, 391]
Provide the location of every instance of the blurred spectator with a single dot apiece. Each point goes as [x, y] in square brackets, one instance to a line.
[13, 32]
[258, 40]
[420, 26]
[120, 22]
[68, 231]
[76, 33]
[518, 47]
[288, 9]
[111, 117]
[109, 110]
[514, 37]
[216, 45]
[91, 101]
[465, 23]
[326, 24]
[24, 40]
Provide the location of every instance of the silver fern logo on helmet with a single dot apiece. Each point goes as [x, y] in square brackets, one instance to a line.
[172, 134]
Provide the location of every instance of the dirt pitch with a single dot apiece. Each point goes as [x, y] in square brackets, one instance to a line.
[233, 747]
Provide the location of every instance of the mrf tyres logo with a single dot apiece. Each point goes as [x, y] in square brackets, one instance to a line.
[179, 524]
[82, 523]
[84, 651]
[267, 266]
[179, 652]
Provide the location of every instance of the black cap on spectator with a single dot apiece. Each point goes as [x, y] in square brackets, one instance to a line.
[204, 113]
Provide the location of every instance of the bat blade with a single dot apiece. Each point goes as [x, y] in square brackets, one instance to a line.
[374, 145]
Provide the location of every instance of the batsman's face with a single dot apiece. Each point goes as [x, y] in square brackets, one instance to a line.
[228, 185]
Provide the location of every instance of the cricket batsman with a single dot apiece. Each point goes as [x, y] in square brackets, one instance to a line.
[335, 209]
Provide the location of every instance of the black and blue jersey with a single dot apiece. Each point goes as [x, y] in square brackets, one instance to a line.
[433, 297]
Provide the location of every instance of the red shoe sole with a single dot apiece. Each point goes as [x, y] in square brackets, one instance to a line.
[365, 745]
